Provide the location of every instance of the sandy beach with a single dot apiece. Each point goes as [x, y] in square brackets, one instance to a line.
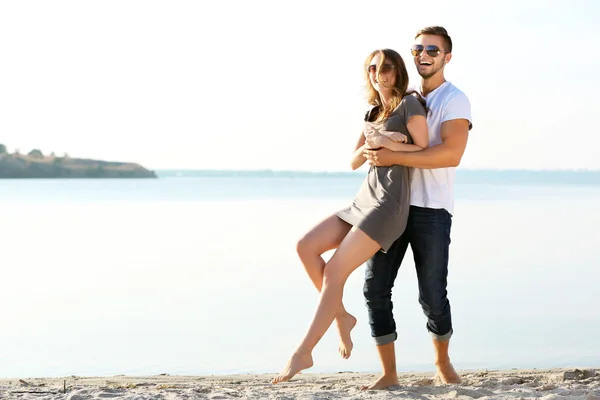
[505, 384]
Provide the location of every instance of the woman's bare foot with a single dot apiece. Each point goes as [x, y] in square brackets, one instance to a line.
[383, 382]
[297, 363]
[446, 373]
[345, 324]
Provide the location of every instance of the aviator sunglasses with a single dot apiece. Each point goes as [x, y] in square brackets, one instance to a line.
[432, 51]
[385, 68]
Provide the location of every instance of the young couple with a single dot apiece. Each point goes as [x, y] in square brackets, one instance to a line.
[406, 198]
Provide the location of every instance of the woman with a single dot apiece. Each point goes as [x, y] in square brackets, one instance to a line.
[378, 215]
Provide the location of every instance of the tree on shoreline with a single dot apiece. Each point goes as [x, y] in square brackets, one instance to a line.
[35, 153]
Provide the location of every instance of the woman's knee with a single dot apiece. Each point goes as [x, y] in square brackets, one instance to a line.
[312, 244]
[306, 247]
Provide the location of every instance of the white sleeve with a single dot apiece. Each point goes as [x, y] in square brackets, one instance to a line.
[458, 107]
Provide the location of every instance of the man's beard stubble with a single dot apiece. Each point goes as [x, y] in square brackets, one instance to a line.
[434, 71]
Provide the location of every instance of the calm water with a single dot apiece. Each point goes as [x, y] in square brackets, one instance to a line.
[196, 274]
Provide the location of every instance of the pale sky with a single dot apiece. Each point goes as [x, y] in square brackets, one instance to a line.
[278, 84]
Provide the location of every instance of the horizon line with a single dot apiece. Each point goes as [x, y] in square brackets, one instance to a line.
[357, 171]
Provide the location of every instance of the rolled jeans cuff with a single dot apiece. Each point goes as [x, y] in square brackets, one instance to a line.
[385, 339]
[442, 338]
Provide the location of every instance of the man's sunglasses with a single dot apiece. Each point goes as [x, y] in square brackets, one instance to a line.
[385, 68]
[432, 51]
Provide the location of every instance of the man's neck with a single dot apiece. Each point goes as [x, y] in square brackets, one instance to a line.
[430, 84]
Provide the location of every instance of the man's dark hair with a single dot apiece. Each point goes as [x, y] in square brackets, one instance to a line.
[438, 31]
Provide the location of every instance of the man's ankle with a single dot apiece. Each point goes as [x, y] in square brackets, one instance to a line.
[442, 356]
[442, 361]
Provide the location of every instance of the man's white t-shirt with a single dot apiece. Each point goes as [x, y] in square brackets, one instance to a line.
[434, 188]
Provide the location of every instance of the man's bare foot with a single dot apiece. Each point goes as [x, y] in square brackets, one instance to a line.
[345, 324]
[297, 363]
[446, 373]
[383, 382]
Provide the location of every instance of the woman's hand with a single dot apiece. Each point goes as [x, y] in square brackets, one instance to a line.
[395, 136]
[371, 132]
[377, 141]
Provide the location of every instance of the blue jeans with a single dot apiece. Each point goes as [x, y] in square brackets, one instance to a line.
[428, 233]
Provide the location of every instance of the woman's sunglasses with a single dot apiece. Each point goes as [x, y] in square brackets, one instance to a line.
[385, 68]
[432, 51]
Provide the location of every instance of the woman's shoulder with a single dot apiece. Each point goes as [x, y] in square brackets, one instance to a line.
[411, 99]
[413, 104]
[407, 102]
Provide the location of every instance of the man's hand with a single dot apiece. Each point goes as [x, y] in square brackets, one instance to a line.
[379, 158]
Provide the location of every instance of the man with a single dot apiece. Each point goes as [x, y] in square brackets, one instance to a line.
[430, 216]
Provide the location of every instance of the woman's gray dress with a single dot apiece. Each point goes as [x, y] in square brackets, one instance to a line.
[381, 207]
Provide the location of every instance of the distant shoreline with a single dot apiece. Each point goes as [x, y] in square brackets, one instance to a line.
[35, 165]
[463, 176]
[361, 172]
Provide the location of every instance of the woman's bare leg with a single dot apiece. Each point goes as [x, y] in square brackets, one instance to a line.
[327, 235]
[356, 248]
